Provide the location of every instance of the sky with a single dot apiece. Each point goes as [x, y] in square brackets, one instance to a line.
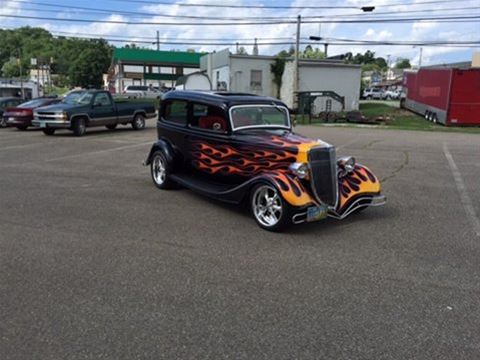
[415, 31]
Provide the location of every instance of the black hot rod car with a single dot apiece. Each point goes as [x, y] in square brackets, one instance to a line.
[236, 147]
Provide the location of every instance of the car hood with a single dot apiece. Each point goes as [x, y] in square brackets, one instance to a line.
[57, 107]
[281, 140]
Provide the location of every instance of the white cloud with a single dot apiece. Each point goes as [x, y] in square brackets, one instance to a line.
[370, 31]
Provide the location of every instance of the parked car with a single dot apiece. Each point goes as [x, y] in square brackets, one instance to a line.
[139, 91]
[236, 147]
[372, 93]
[6, 102]
[21, 116]
[391, 95]
[92, 108]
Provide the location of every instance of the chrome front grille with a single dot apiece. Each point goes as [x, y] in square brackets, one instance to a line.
[323, 166]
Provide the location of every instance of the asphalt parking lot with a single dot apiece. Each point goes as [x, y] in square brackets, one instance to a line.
[96, 263]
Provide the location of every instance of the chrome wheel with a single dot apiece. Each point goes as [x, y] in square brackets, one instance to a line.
[267, 205]
[159, 170]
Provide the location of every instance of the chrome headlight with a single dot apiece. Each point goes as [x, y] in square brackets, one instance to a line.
[300, 169]
[346, 163]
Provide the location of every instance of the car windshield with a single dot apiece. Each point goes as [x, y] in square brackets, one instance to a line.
[259, 116]
[33, 103]
[84, 99]
[72, 97]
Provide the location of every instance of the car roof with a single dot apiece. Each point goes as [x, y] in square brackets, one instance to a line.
[10, 98]
[220, 98]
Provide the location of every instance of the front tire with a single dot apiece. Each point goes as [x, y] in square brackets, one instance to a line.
[79, 127]
[3, 122]
[160, 170]
[269, 209]
[138, 122]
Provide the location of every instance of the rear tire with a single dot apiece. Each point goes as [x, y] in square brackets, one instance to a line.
[79, 127]
[160, 170]
[48, 131]
[138, 122]
[111, 126]
[269, 209]
[434, 118]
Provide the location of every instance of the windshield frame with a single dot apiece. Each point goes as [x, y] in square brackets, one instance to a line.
[264, 126]
[84, 95]
[79, 92]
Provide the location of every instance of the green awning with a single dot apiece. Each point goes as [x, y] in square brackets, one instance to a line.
[145, 56]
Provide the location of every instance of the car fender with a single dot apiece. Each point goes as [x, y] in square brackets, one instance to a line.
[164, 146]
[290, 188]
[360, 182]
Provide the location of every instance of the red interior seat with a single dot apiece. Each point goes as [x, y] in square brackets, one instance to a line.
[212, 123]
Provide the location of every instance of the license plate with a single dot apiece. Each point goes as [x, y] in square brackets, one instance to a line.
[11, 119]
[43, 125]
[316, 213]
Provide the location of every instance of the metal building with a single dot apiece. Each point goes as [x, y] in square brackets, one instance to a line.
[145, 67]
[252, 74]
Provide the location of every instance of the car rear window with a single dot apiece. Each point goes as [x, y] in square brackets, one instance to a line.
[176, 111]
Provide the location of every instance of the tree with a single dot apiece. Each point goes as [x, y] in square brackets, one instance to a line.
[68, 54]
[310, 53]
[287, 54]
[87, 69]
[381, 62]
[277, 69]
[403, 64]
[242, 51]
[11, 68]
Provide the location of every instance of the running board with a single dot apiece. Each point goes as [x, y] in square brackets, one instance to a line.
[223, 192]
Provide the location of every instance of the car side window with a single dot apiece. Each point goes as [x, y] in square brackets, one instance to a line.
[102, 99]
[207, 117]
[176, 111]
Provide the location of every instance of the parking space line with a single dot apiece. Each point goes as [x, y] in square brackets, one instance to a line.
[465, 199]
[21, 146]
[100, 151]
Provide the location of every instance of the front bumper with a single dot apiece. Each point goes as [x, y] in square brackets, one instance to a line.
[57, 124]
[18, 121]
[358, 203]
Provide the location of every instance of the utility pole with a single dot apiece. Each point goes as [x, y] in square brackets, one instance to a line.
[325, 49]
[21, 72]
[420, 58]
[297, 73]
[158, 68]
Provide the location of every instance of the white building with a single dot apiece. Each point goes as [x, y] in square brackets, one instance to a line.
[252, 74]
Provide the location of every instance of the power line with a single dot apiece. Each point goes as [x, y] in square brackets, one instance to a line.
[152, 2]
[94, 11]
[333, 41]
[328, 19]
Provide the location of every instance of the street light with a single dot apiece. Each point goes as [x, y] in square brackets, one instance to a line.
[325, 45]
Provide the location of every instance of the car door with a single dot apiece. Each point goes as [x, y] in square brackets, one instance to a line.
[172, 126]
[103, 110]
[207, 139]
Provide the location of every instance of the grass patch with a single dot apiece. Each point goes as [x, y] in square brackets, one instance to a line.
[405, 120]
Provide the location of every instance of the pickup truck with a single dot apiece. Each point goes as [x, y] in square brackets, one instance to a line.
[92, 108]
